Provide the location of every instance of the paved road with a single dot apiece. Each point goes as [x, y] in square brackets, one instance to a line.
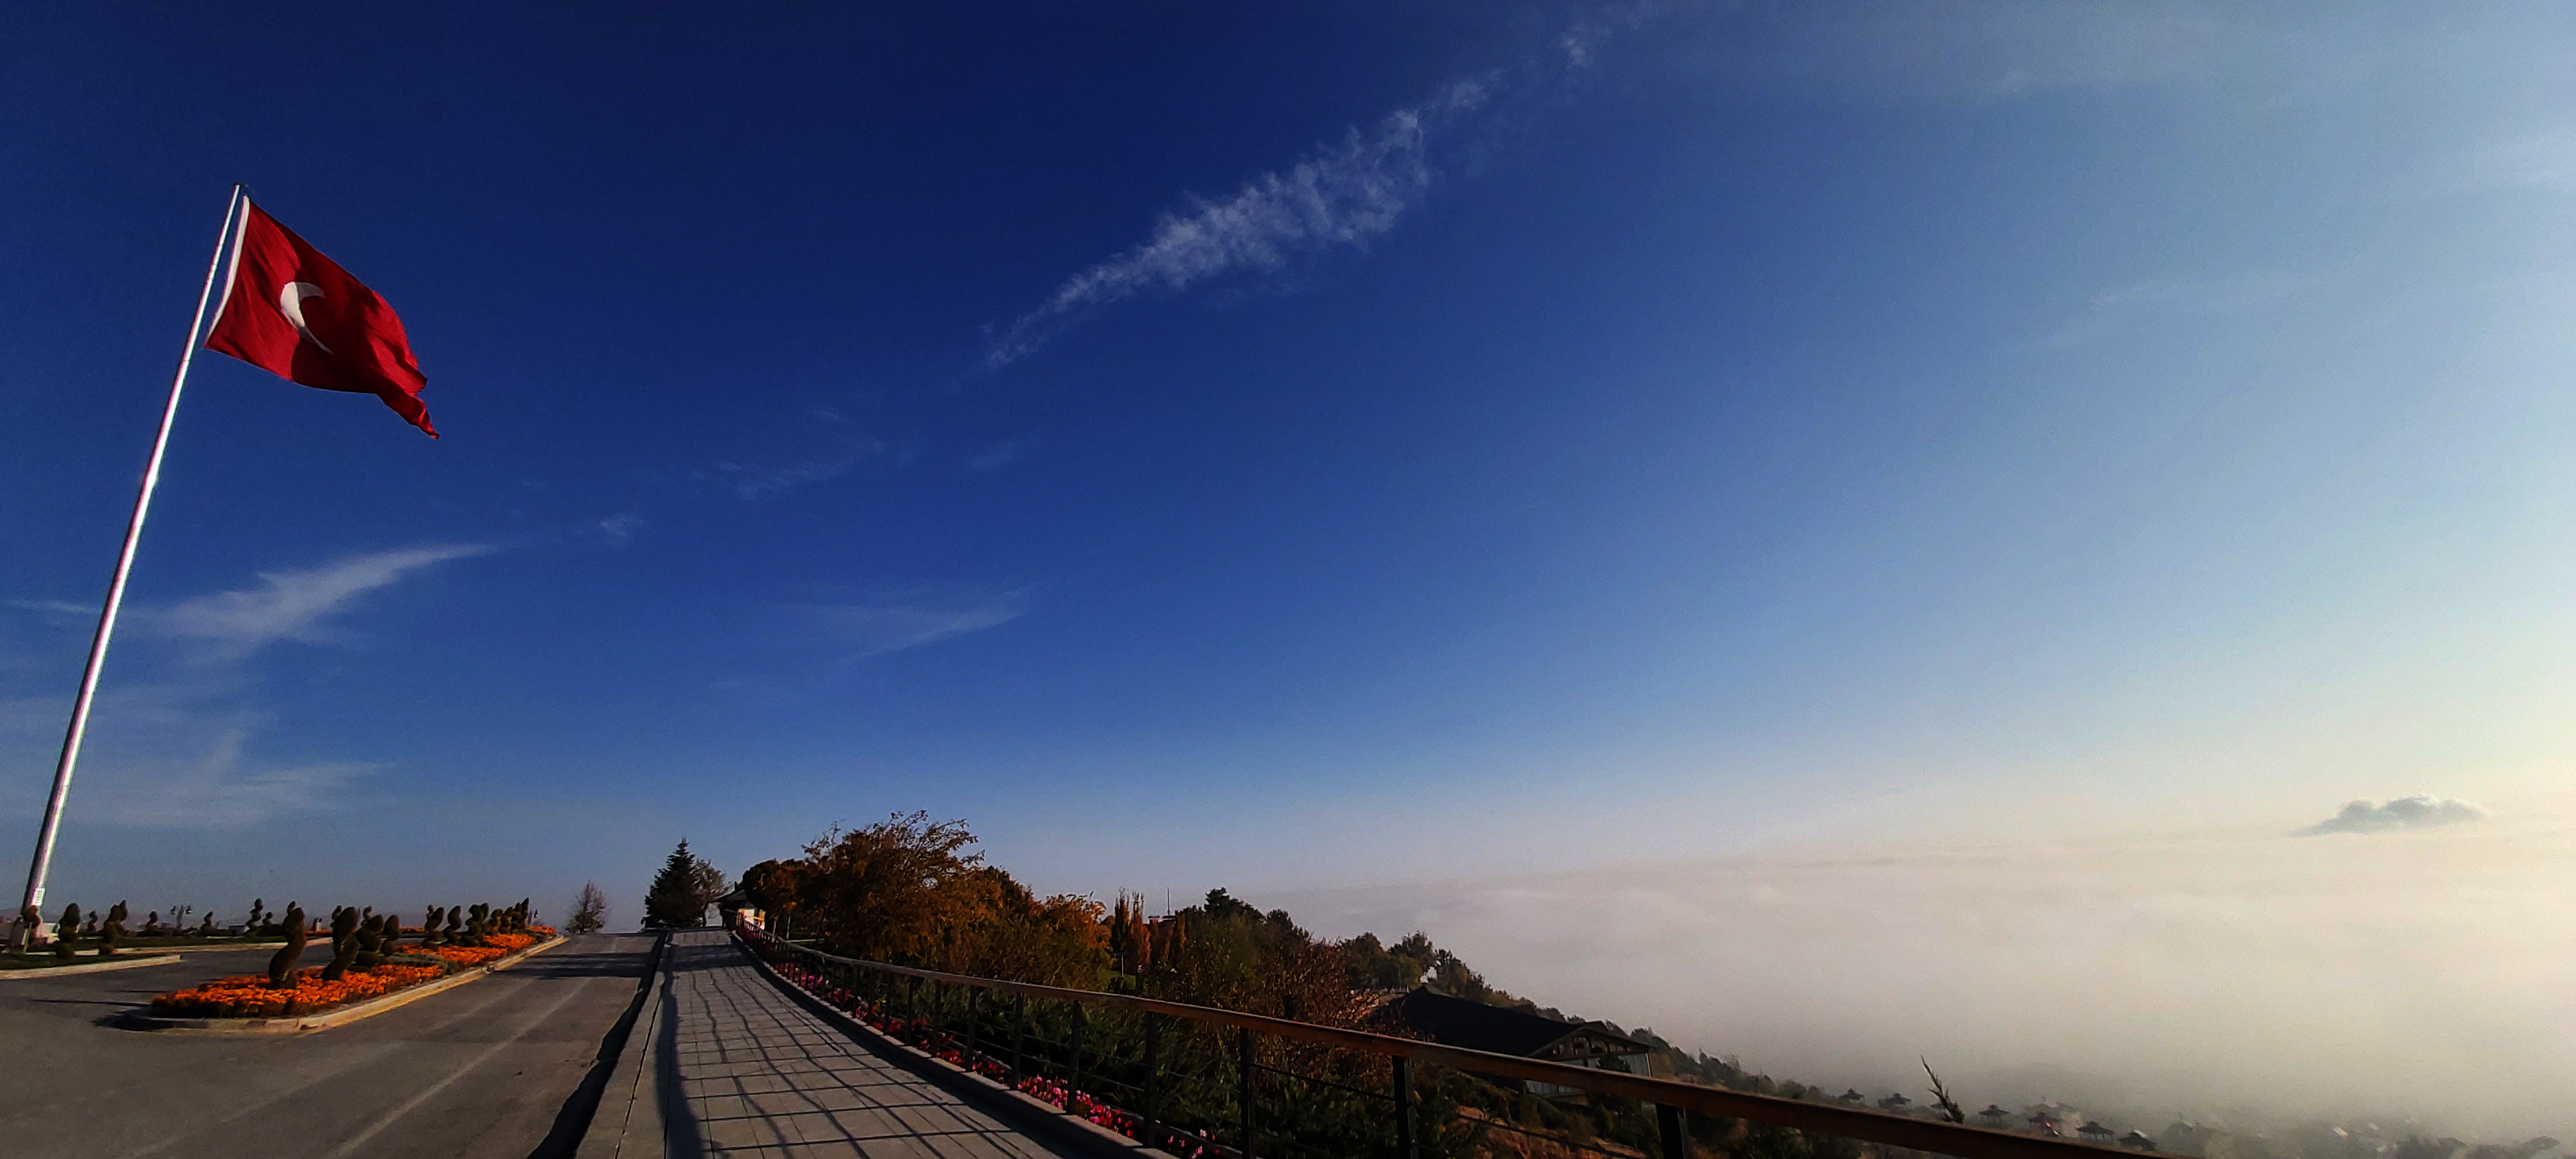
[481, 1070]
[747, 1071]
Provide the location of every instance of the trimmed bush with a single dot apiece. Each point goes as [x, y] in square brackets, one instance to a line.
[344, 942]
[281, 966]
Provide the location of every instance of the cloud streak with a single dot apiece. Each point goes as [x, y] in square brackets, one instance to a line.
[997, 456]
[291, 605]
[877, 628]
[178, 747]
[2174, 297]
[1339, 196]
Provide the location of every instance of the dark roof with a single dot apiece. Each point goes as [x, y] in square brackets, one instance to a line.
[1453, 1021]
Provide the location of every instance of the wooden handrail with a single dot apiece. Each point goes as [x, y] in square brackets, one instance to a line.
[1822, 1118]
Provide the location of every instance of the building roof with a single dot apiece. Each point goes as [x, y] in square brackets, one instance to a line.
[1453, 1021]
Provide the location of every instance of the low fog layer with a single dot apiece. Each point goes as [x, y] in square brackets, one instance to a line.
[2247, 978]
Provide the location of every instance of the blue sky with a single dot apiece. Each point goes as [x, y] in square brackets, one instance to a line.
[1310, 446]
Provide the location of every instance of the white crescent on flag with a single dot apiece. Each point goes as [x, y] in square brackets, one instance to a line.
[290, 301]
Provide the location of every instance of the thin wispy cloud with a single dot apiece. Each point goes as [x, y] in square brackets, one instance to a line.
[998, 456]
[2397, 816]
[617, 530]
[875, 628]
[175, 744]
[753, 481]
[292, 605]
[2542, 160]
[223, 788]
[1340, 196]
[2110, 309]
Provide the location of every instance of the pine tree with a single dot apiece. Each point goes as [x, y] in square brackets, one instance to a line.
[682, 890]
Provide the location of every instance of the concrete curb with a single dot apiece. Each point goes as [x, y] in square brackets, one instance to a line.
[298, 1023]
[91, 967]
[1034, 1116]
[628, 1116]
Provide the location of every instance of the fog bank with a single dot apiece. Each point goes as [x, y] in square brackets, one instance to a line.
[2238, 976]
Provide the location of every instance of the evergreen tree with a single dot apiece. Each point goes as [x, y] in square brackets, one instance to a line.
[682, 890]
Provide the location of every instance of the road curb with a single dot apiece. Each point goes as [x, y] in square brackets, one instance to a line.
[94, 967]
[634, 1116]
[298, 1023]
[1035, 1116]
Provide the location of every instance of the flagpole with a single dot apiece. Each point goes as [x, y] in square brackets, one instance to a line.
[35, 895]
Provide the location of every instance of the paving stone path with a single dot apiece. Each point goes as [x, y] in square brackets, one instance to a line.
[748, 1071]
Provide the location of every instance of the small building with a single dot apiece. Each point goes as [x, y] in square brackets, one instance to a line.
[1994, 1116]
[2095, 1132]
[1464, 1022]
[2137, 1141]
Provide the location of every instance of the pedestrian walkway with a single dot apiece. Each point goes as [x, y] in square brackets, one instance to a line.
[749, 1071]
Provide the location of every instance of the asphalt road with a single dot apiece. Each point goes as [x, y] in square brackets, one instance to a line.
[480, 1070]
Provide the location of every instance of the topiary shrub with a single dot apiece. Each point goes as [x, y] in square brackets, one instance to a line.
[112, 934]
[371, 943]
[22, 931]
[478, 924]
[283, 964]
[344, 942]
[429, 926]
[208, 929]
[455, 926]
[67, 935]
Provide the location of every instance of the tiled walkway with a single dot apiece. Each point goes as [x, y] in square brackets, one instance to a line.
[753, 1073]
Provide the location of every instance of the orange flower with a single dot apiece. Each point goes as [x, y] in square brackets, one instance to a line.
[249, 995]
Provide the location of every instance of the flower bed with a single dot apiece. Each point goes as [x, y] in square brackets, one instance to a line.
[250, 996]
[495, 947]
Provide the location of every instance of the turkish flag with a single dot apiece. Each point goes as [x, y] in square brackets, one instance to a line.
[296, 314]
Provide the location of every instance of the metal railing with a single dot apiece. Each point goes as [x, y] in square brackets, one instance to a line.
[1171, 1076]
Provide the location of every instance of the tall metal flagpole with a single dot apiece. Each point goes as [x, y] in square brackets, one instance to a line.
[35, 895]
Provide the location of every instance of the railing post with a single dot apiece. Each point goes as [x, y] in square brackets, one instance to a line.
[1405, 1147]
[1668, 1123]
[1081, 1026]
[1019, 1036]
[974, 1027]
[1153, 1073]
[1243, 1063]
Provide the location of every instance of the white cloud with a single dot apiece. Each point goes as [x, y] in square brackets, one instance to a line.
[2418, 812]
[617, 530]
[998, 456]
[876, 628]
[219, 789]
[291, 605]
[1342, 195]
[176, 745]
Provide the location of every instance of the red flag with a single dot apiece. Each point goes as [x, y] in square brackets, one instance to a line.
[296, 314]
